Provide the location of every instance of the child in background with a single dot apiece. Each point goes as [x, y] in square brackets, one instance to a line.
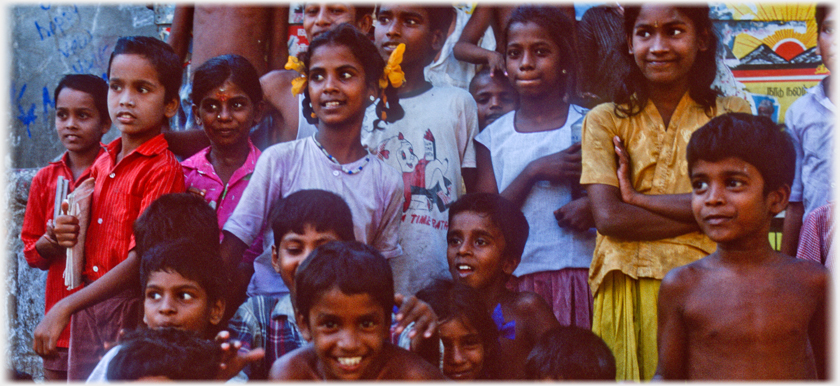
[228, 97]
[289, 121]
[469, 338]
[642, 208]
[81, 118]
[165, 354]
[431, 146]
[301, 222]
[532, 157]
[487, 234]
[745, 312]
[810, 122]
[144, 75]
[342, 81]
[344, 293]
[569, 353]
[493, 96]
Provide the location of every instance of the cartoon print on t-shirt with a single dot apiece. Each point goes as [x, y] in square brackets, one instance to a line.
[423, 179]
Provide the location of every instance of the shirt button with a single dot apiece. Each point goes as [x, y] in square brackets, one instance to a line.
[111, 175]
[335, 173]
[95, 269]
[99, 221]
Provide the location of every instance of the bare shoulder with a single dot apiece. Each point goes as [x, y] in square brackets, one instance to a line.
[276, 79]
[405, 365]
[296, 365]
[533, 312]
[686, 276]
[526, 302]
[806, 272]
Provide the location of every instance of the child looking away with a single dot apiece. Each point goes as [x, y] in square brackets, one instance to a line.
[493, 96]
[343, 300]
[810, 121]
[431, 145]
[341, 81]
[487, 234]
[143, 75]
[642, 208]
[745, 312]
[81, 118]
[532, 158]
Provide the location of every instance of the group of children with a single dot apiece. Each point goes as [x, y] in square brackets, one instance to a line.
[340, 253]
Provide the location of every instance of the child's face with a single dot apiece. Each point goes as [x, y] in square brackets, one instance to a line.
[665, 44]
[294, 248]
[337, 86]
[533, 61]
[321, 17]
[227, 114]
[826, 45]
[729, 203]
[136, 100]
[402, 23]
[171, 300]
[79, 125]
[463, 349]
[348, 333]
[494, 98]
[476, 251]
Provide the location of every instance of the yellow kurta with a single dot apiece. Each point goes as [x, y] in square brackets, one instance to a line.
[625, 275]
[658, 167]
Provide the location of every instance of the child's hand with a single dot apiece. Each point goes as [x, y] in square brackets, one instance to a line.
[233, 360]
[415, 310]
[558, 167]
[66, 228]
[496, 62]
[576, 215]
[196, 191]
[625, 185]
[46, 333]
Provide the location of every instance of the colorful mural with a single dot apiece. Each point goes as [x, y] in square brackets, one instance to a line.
[771, 50]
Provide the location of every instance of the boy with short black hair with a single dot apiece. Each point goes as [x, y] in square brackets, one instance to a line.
[487, 234]
[569, 353]
[344, 293]
[144, 76]
[166, 354]
[745, 311]
[493, 94]
[81, 118]
[810, 122]
[432, 145]
[301, 222]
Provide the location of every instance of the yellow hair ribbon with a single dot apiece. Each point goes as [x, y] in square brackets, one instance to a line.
[393, 72]
[299, 83]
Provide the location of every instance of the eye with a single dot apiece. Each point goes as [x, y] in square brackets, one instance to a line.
[481, 241]
[61, 114]
[317, 77]
[699, 185]
[675, 31]
[238, 105]
[412, 21]
[311, 11]
[513, 53]
[153, 295]
[383, 19]
[143, 89]
[345, 75]
[734, 183]
[542, 51]
[329, 325]
[367, 324]
[115, 86]
[185, 296]
[642, 33]
[338, 11]
[454, 241]
[84, 115]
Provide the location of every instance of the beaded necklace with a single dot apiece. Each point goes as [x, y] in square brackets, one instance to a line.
[356, 170]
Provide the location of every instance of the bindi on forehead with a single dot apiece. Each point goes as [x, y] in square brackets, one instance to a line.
[222, 96]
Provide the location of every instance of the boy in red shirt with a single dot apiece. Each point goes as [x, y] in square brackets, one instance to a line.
[81, 118]
[144, 77]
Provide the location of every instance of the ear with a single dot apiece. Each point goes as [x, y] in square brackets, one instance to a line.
[777, 200]
[303, 326]
[364, 23]
[105, 125]
[171, 108]
[438, 38]
[275, 259]
[510, 264]
[195, 116]
[703, 40]
[259, 111]
[217, 311]
[630, 43]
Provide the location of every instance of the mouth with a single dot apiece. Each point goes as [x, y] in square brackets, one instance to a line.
[716, 219]
[125, 117]
[464, 270]
[460, 375]
[349, 364]
[389, 46]
[492, 117]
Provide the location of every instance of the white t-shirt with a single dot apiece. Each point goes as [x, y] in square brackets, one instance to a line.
[429, 146]
[374, 196]
[549, 247]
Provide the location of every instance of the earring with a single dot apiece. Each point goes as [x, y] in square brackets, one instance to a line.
[372, 98]
[563, 71]
[312, 115]
[630, 52]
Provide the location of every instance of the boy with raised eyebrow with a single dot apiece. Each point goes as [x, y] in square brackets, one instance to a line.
[745, 311]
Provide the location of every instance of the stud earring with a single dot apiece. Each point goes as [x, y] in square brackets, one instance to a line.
[372, 98]
[312, 114]
[563, 71]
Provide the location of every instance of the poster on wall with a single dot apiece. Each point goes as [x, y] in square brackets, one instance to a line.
[771, 50]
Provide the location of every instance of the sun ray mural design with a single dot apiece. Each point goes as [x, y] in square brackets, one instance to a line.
[786, 42]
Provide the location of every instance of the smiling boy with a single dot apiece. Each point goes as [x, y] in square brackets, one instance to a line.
[343, 297]
[745, 312]
[143, 75]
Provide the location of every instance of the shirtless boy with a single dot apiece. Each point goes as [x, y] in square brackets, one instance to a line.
[745, 311]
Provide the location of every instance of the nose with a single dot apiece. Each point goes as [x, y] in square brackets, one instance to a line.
[495, 102]
[456, 356]
[348, 342]
[660, 44]
[527, 62]
[714, 195]
[224, 112]
[392, 29]
[126, 99]
[167, 306]
[322, 20]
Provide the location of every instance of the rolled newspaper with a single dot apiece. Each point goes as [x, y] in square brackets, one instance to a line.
[79, 204]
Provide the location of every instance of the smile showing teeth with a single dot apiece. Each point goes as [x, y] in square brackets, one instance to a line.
[349, 361]
[464, 267]
[332, 104]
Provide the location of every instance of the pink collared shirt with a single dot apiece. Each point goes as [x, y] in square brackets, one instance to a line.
[200, 174]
